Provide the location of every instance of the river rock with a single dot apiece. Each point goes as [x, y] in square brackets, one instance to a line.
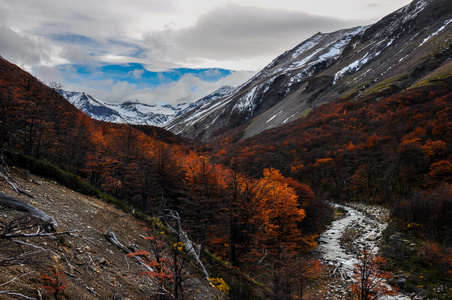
[397, 237]
[342, 248]
[399, 281]
[372, 238]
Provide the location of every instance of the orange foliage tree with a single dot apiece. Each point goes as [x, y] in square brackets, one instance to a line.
[158, 266]
[203, 188]
[306, 270]
[278, 212]
[165, 262]
[279, 239]
[231, 236]
[432, 254]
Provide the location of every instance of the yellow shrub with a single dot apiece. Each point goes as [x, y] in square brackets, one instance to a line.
[220, 285]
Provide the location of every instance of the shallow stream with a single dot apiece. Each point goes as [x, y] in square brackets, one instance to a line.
[342, 242]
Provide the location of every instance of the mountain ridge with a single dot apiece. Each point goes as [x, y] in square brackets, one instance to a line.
[411, 43]
[134, 111]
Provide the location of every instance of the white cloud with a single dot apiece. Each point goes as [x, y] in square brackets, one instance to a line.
[186, 32]
[137, 73]
[237, 33]
[191, 88]
[188, 88]
[27, 51]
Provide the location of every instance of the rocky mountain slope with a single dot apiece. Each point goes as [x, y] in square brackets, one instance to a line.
[135, 112]
[92, 267]
[388, 56]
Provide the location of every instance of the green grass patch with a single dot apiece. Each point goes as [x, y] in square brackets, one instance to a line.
[433, 80]
[441, 46]
[356, 90]
[305, 114]
[387, 85]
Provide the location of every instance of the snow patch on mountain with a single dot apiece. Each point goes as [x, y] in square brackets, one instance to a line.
[323, 67]
[420, 5]
[301, 63]
[224, 91]
[436, 32]
[247, 101]
[290, 68]
[354, 66]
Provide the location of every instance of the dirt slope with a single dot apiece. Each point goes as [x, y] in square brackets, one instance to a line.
[94, 268]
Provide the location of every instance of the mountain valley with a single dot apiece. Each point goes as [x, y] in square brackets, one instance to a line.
[335, 157]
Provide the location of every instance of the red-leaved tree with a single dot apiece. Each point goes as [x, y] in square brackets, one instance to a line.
[55, 283]
[370, 281]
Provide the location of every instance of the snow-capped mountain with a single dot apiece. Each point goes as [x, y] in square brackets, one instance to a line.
[392, 54]
[221, 92]
[135, 112]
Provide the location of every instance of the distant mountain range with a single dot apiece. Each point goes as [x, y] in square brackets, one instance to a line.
[135, 112]
[391, 55]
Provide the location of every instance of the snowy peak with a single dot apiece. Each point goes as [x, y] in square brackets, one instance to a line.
[280, 78]
[133, 111]
[94, 108]
[320, 48]
[224, 91]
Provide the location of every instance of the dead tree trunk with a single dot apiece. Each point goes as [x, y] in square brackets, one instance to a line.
[189, 247]
[17, 204]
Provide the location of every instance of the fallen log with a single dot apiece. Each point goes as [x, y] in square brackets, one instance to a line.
[9, 293]
[17, 204]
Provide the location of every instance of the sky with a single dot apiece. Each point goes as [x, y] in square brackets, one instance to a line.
[165, 51]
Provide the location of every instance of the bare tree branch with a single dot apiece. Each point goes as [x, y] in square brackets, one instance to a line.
[16, 294]
[28, 235]
[111, 237]
[37, 247]
[18, 190]
[17, 277]
[18, 259]
[91, 290]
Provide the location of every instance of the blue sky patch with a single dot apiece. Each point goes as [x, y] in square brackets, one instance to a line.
[136, 74]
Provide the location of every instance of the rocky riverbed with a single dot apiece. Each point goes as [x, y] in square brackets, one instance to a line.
[360, 227]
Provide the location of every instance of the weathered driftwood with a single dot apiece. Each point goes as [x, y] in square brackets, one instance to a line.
[111, 237]
[17, 204]
[339, 270]
[9, 293]
[9, 181]
[39, 233]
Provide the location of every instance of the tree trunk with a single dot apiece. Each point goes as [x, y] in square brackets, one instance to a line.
[17, 204]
